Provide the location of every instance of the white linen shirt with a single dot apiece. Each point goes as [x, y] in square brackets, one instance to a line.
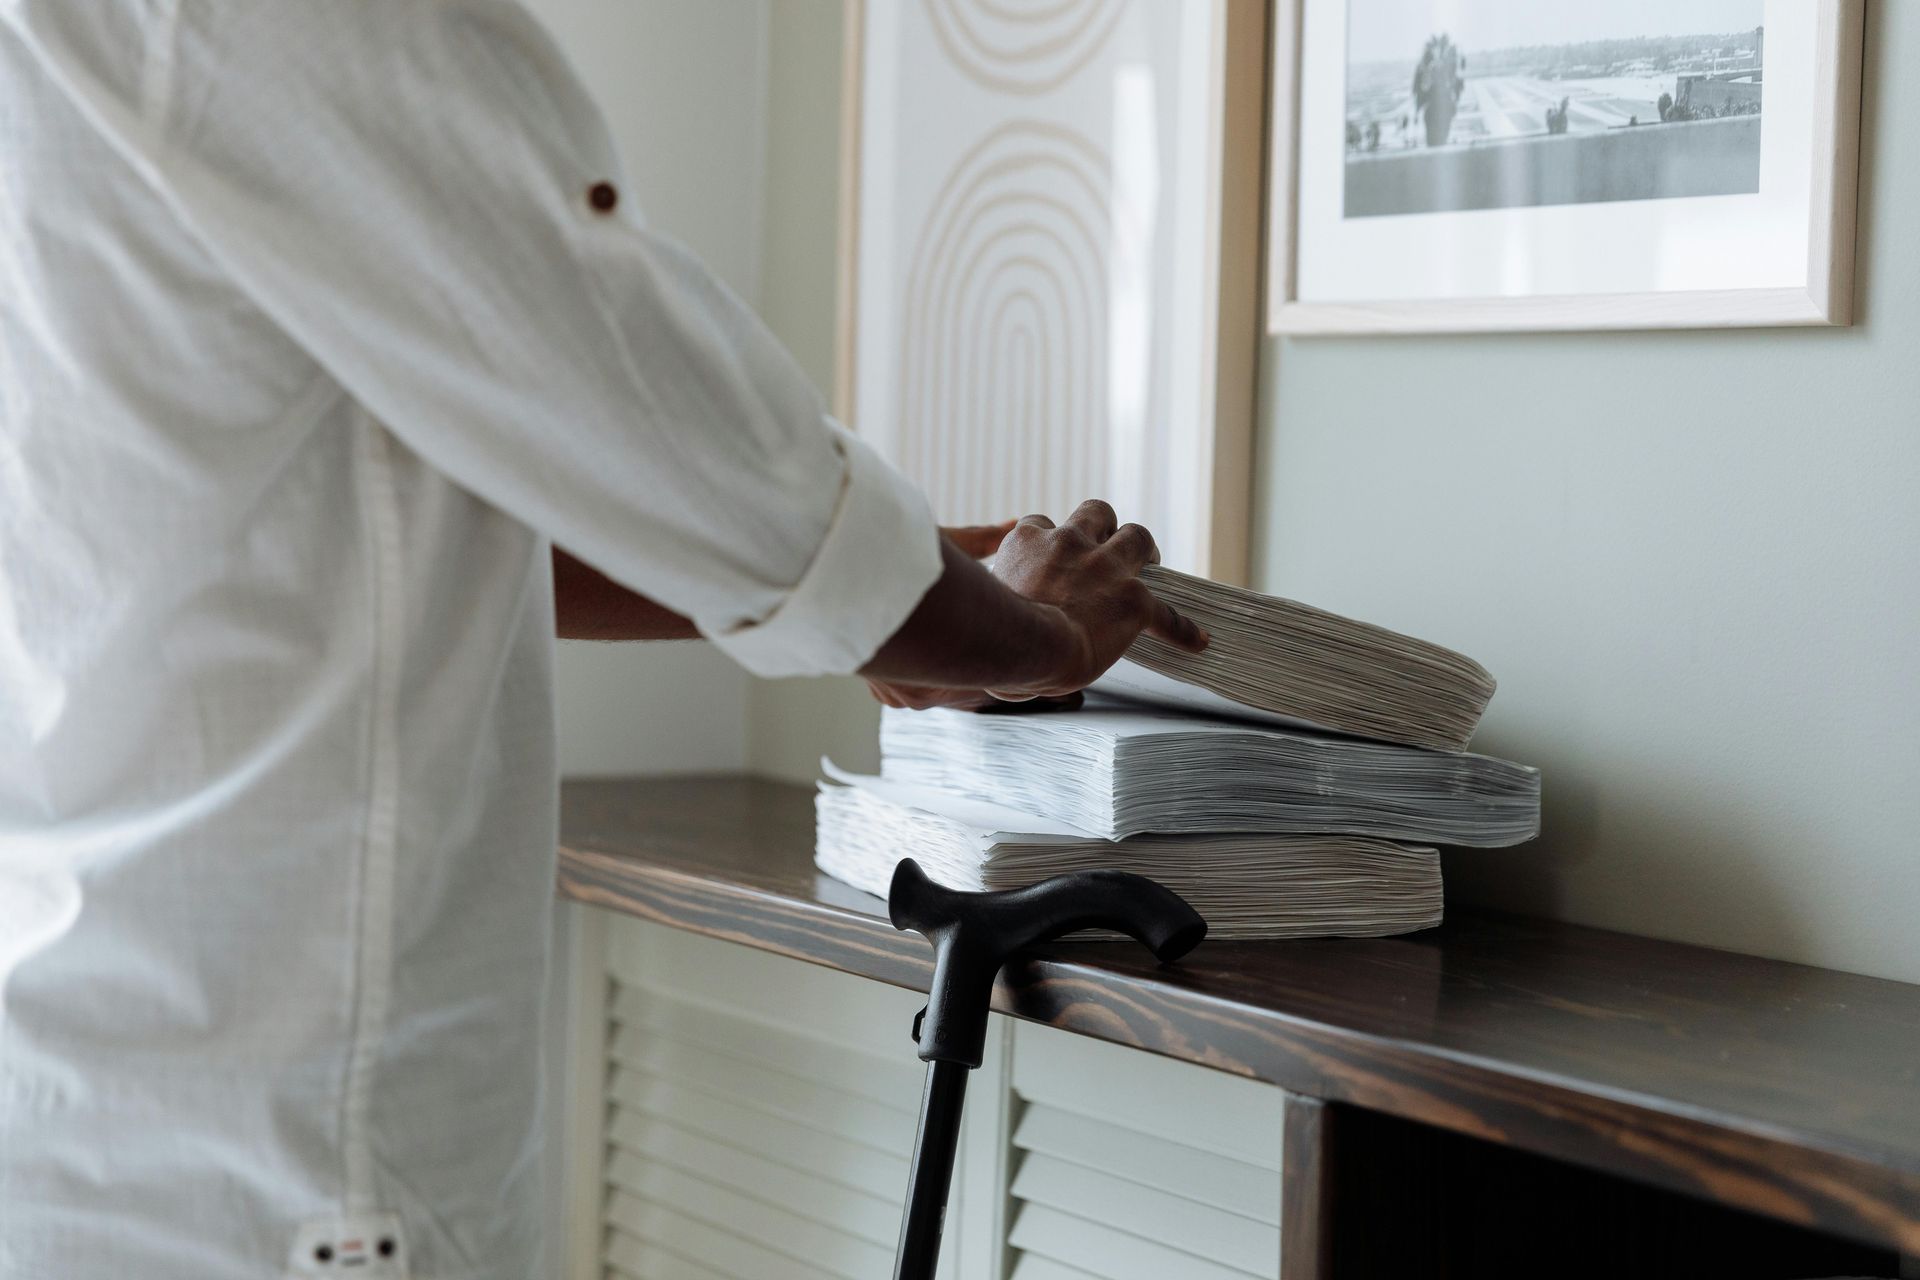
[313, 340]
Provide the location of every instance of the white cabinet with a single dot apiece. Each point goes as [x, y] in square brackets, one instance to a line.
[740, 1116]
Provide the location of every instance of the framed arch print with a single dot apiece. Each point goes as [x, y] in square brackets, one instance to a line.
[1052, 241]
[1474, 165]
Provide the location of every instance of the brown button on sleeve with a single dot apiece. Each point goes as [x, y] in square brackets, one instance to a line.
[604, 197]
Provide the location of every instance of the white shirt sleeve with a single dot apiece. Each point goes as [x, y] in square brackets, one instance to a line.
[416, 191]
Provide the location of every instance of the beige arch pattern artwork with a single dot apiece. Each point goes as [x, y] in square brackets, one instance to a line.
[1023, 46]
[1003, 353]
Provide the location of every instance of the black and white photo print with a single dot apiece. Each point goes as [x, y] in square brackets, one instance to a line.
[1489, 104]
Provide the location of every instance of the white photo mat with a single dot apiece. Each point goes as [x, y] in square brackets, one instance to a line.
[1782, 256]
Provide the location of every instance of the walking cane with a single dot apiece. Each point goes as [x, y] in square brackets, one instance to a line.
[973, 935]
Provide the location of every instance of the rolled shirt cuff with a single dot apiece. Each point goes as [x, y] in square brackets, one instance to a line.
[879, 558]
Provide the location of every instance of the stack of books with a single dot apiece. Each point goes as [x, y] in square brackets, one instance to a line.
[1292, 781]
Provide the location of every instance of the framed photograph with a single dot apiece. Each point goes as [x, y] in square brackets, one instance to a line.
[1053, 215]
[1473, 165]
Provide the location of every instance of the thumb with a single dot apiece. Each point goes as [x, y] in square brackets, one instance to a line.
[978, 540]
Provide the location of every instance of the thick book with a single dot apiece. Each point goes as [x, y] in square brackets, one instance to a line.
[1293, 664]
[1112, 770]
[1247, 886]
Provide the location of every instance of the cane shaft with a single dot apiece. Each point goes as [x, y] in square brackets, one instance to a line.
[932, 1173]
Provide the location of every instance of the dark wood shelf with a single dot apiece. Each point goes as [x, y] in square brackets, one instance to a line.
[1774, 1088]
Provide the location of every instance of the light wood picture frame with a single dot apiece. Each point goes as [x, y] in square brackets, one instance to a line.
[1802, 207]
[1004, 164]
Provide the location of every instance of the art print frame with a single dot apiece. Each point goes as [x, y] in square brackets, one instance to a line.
[1197, 488]
[1815, 285]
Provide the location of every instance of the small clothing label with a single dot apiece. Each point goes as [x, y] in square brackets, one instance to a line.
[366, 1246]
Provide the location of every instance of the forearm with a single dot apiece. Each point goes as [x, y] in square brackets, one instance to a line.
[971, 631]
[588, 605]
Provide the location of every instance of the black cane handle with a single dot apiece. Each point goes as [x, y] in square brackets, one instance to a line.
[974, 934]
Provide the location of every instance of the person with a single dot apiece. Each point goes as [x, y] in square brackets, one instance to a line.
[338, 372]
[1439, 81]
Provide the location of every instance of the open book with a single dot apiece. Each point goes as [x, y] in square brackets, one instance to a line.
[1112, 770]
[1247, 886]
[1293, 664]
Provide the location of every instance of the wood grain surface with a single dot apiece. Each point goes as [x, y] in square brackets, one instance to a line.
[1774, 1088]
[1306, 1190]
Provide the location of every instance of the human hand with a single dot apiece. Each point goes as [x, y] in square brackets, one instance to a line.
[1087, 572]
[916, 697]
[977, 541]
[919, 697]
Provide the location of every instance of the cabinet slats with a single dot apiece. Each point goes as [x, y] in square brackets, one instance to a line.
[664, 1233]
[822, 1244]
[741, 1142]
[1233, 1185]
[754, 1040]
[1216, 1112]
[1034, 1267]
[809, 1102]
[1129, 1167]
[1177, 1222]
[863, 1166]
[641, 1140]
[1106, 1253]
[631, 1258]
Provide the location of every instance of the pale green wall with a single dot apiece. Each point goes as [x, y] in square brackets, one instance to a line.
[1692, 559]
[792, 723]
[800, 231]
[683, 85]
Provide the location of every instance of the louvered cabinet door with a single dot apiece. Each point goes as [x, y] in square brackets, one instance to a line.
[759, 1118]
[1126, 1166]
